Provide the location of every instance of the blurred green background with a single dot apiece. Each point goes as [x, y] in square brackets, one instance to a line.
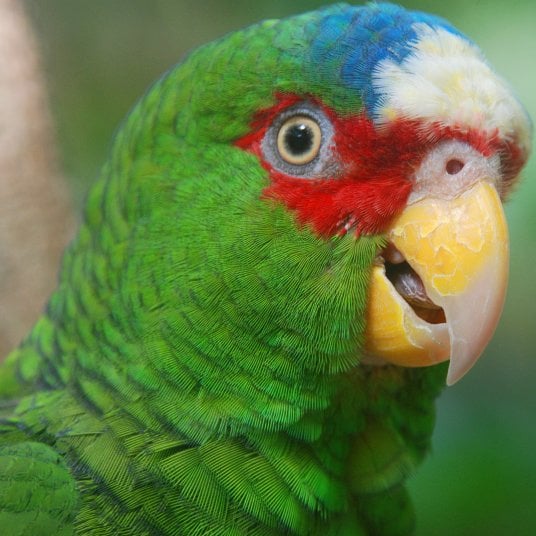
[100, 56]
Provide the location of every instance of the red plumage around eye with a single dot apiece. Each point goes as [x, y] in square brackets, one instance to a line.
[338, 206]
[367, 190]
[373, 169]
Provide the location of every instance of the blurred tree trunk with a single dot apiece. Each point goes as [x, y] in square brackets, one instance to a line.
[35, 215]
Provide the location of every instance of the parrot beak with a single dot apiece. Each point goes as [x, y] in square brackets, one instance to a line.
[438, 290]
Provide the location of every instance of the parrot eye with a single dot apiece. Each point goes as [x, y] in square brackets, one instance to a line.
[299, 142]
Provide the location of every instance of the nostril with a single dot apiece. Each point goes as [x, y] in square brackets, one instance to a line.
[454, 166]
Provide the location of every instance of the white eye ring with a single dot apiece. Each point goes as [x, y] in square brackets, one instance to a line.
[299, 140]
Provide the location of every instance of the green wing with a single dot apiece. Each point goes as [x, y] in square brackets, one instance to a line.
[38, 495]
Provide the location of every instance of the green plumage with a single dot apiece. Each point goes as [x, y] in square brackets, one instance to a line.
[196, 371]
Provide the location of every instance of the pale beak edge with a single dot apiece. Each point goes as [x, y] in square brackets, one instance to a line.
[459, 248]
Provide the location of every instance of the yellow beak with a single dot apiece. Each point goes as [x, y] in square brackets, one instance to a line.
[458, 248]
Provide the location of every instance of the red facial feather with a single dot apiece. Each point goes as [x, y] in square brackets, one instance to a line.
[375, 164]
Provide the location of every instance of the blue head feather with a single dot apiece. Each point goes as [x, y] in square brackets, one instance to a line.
[355, 39]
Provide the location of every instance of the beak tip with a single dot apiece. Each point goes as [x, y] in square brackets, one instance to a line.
[461, 363]
[451, 379]
[454, 376]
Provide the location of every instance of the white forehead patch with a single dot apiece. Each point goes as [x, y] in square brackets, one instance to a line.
[446, 80]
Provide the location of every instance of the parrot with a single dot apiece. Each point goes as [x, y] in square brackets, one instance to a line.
[297, 240]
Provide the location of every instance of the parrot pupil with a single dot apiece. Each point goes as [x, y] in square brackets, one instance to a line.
[299, 139]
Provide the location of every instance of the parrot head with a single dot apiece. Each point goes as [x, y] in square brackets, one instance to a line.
[294, 202]
[413, 138]
[386, 131]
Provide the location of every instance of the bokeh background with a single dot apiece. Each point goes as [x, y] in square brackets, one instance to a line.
[100, 56]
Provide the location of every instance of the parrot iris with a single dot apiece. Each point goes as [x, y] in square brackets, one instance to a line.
[294, 224]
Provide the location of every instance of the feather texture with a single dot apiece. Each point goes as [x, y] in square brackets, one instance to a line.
[199, 368]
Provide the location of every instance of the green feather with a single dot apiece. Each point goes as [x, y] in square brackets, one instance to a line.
[197, 369]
